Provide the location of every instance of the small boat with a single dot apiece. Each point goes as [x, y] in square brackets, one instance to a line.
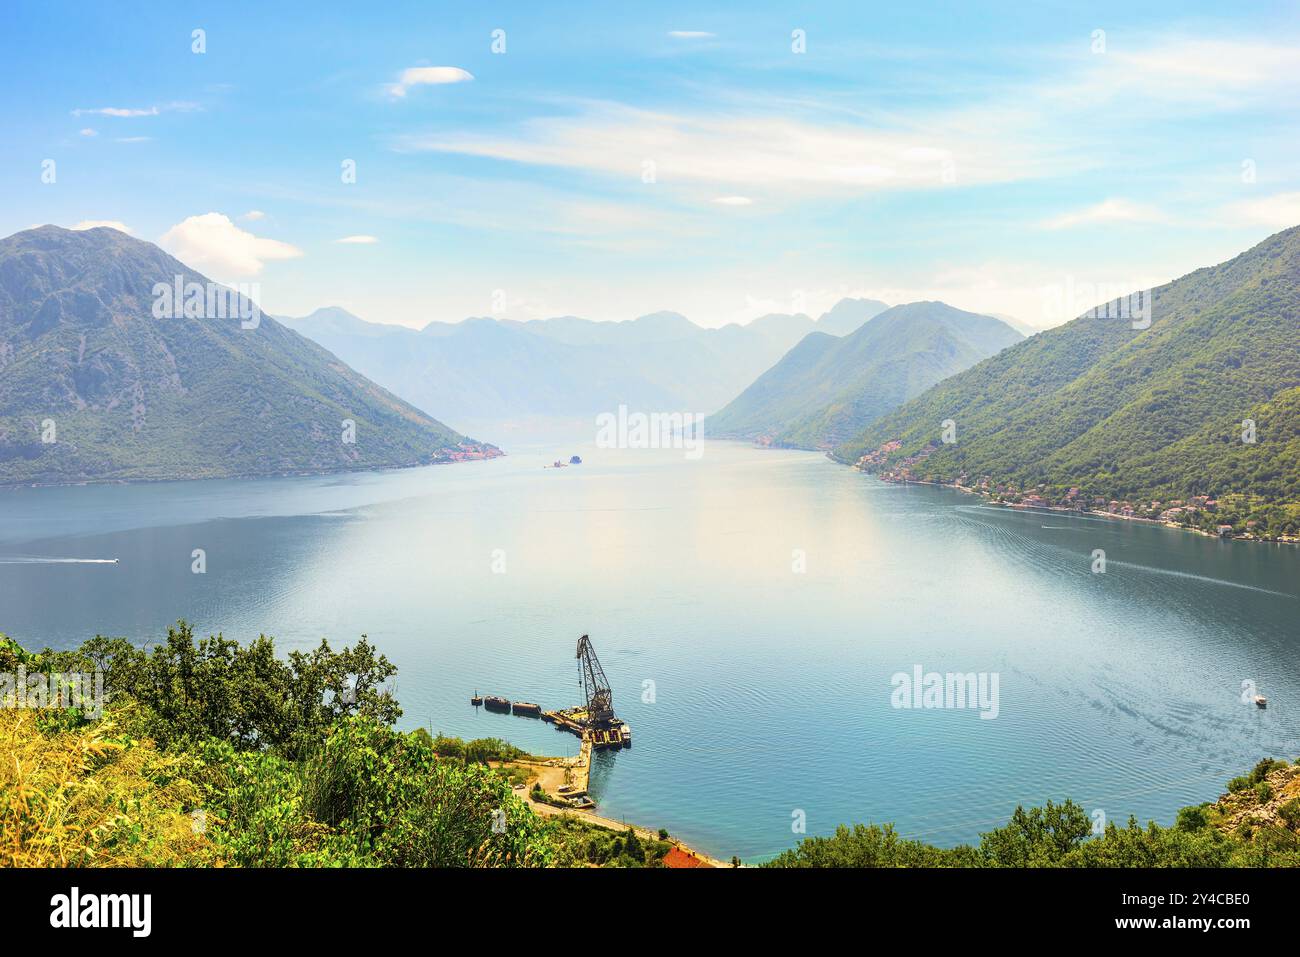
[1261, 701]
[627, 735]
[493, 703]
[528, 709]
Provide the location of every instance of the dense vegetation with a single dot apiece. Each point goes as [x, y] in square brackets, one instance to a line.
[826, 389]
[94, 387]
[1098, 414]
[209, 753]
[1062, 835]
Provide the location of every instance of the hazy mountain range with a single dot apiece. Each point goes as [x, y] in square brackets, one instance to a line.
[1206, 400]
[95, 386]
[827, 388]
[489, 370]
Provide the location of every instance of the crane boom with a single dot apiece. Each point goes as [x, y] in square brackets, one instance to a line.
[600, 700]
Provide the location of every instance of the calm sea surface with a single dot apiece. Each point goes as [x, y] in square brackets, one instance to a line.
[754, 691]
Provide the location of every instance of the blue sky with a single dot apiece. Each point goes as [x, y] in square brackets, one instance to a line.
[614, 162]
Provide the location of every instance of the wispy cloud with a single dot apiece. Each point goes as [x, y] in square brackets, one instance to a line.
[213, 243]
[428, 76]
[1169, 71]
[116, 111]
[783, 155]
[124, 111]
[734, 201]
[1107, 211]
[358, 240]
[691, 34]
[1279, 210]
[1047, 127]
[97, 223]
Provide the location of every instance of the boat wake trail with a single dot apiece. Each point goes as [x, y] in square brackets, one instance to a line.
[58, 561]
[1200, 578]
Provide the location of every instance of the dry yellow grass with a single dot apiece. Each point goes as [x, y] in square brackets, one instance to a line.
[77, 798]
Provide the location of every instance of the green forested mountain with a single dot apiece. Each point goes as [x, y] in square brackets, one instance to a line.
[1134, 418]
[827, 388]
[94, 386]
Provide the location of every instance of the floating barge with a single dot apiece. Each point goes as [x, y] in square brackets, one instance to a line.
[593, 722]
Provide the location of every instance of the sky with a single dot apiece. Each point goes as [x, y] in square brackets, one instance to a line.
[607, 161]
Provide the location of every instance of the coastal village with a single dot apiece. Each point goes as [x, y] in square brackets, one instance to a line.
[1221, 516]
[469, 452]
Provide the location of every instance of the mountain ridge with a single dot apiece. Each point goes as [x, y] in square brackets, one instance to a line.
[97, 383]
[485, 369]
[826, 387]
[1144, 422]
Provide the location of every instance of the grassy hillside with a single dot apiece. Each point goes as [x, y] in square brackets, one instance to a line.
[125, 395]
[1140, 418]
[826, 388]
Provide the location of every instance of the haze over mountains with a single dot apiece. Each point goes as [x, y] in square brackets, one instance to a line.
[1204, 401]
[488, 370]
[827, 388]
[94, 386]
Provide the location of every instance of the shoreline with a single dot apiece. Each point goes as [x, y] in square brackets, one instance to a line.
[550, 770]
[1061, 509]
[245, 476]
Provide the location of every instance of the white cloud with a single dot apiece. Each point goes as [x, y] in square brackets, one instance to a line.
[1107, 211]
[358, 240]
[96, 223]
[133, 139]
[117, 111]
[131, 111]
[1045, 128]
[691, 34]
[428, 76]
[212, 243]
[1281, 210]
[734, 201]
[253, 215]
[786, 156]
[1175, 70]
[89, 132]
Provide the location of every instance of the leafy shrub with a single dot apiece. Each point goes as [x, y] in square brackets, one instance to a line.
[1289, 812]
[1192, 818]
[216, 688]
